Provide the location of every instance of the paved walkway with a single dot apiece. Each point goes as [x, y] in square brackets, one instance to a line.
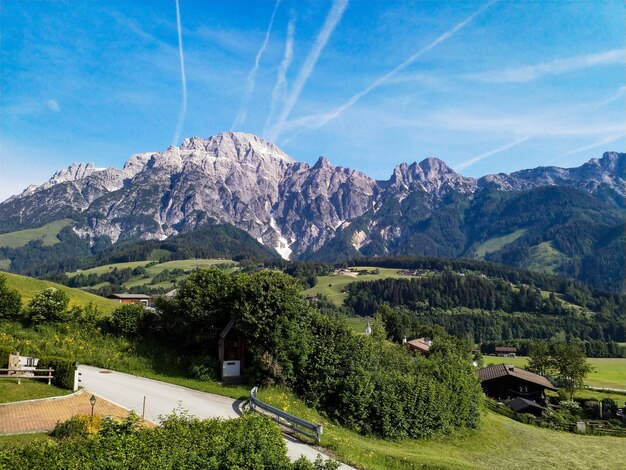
[42, 415]
[162, 398]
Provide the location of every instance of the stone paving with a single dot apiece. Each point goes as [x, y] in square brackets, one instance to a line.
[42, 415]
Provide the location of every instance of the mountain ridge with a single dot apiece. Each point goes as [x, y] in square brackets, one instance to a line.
[297, 208]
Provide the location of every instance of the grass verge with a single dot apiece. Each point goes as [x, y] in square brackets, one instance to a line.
[10, 391]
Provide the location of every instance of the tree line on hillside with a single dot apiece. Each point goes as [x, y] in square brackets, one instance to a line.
[73, 253]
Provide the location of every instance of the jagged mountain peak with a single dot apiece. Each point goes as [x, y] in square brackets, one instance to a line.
[237, 145]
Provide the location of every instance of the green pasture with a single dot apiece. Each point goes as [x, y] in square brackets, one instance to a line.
[27, 286]
[333, 285]
[497, 243]
[499, 442]
[141, 280]
[46, 233]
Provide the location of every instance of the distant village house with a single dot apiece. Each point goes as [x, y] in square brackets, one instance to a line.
[144, 299]
[505, 351]
[420, 345]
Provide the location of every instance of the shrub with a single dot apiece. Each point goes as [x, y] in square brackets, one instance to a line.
[78, 426]
[48, 305]
[63, 370]
[204, 368]
[10, 300]
[128, 320]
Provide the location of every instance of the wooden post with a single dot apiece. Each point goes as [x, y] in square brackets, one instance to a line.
[143, 410]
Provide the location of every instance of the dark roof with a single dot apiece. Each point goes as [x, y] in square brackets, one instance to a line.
[505, 349]
[502, 370]
[227, 328]
[130, 296]
[520, 404]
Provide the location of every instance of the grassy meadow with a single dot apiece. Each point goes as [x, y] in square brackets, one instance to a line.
[27, 286]
[187, 265]
[497, 243]
[333, 285]
[46, 233]
[499, 442]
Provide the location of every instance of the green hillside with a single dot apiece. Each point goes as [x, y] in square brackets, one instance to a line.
[333, 286]
[172, 272]
[47, 234]
[27, 286]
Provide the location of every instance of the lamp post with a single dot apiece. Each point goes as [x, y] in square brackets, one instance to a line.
[92, 400]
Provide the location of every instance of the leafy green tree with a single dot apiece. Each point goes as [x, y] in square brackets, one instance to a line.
[48, 305]
[10, 300]
[540, 359]
[570, 366]
[272, 313]
[201, 309]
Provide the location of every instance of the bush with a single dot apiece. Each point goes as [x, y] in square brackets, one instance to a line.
[79, 426]
[128, 320]
[10, 300]
[204, 368]
[48, 305]
[4, 356]
[63, 370]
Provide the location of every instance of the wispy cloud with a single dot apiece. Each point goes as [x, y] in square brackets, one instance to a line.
[555, 67]
[333, 18]
[183, 105]
[470, 161]
[243, 107]
[599, 143]
[320, 120]
[53, 105]
[278, 93]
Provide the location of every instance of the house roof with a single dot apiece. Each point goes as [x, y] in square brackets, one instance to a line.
[227, 328]
[519, 404]
[502, 370]
[505, 349]
[423, 344]
[130, 296]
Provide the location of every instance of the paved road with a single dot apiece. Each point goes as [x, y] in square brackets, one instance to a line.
[163, 398]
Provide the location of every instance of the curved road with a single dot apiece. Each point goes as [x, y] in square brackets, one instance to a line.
[163, 398]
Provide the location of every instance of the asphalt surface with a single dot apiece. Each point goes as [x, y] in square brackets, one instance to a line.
[162, 398]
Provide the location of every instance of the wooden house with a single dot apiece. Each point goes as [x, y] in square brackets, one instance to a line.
[420, 345]
[133, 299]
[505, 382]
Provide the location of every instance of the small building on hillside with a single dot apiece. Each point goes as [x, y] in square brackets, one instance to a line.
[143, 299]
[231, 352]
[523, 405]
[420, 345]
[506, 351]
[505, 382]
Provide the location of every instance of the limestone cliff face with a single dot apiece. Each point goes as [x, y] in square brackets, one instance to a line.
[248, 182]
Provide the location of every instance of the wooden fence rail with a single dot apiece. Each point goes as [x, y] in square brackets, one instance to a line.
[26, 374]
[299, 425]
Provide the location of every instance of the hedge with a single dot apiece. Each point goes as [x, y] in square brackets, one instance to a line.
[63, 370]
[250, 442]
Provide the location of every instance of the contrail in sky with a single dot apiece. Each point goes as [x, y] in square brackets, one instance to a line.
[243, 107]
[325, 118]
[183, 106]
[281, 81]
[333, 18]
[482, 156]
[607, 140]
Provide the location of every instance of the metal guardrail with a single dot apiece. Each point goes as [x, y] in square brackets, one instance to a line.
[299, 425]
[26, 374]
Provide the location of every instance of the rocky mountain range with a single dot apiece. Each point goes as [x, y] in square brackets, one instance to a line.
[301, 210]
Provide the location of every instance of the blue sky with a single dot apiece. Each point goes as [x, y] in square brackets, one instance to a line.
[486, 86]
